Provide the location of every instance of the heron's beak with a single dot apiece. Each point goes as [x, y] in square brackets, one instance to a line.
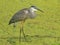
[40, 10]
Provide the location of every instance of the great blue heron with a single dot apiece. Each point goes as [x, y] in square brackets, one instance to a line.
[24, 14]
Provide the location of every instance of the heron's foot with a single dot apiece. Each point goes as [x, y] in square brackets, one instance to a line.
[25, 39]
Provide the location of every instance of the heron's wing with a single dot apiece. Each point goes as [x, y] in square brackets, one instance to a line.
[19, 16]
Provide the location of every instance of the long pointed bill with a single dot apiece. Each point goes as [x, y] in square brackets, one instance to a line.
[40, 10]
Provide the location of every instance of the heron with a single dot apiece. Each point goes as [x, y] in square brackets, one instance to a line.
[24, 14]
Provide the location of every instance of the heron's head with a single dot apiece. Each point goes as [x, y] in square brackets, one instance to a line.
[34, 8]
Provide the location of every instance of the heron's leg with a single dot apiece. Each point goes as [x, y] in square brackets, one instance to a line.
[20, 36]
[20, 33]
[22, 30]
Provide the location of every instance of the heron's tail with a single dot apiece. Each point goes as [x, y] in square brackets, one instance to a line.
[9, 23]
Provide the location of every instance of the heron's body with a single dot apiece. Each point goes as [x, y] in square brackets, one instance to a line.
[22, 15]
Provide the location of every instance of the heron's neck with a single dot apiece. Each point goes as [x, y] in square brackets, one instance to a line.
[32, 9]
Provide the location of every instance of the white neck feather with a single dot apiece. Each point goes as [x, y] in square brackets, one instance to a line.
[32, 9]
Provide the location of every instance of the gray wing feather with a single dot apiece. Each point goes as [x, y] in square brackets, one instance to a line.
[20, 15]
